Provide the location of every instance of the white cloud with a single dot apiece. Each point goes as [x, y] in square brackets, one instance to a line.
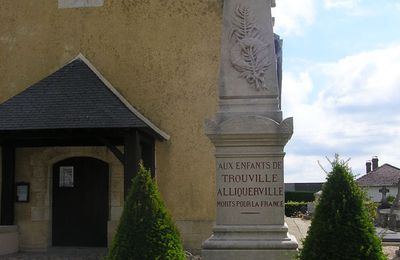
[347, 4]
[303, 168]
[350, 7]
[291, 17]
[348, 107]
[363, 80]
[298, 87]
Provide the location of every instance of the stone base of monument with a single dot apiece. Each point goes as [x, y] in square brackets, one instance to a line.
[248, 254]
[250, 242]
[250, 190]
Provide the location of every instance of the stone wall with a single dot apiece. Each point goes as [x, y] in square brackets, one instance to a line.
[35, 165]
[8, 240]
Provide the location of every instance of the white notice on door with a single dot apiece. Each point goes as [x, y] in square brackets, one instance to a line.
[66, 176]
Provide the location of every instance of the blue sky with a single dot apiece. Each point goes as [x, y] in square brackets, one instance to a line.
[341, 83]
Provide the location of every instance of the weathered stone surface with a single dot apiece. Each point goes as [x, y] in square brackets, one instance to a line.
[249, 136]
[248, 74]
[248, 63]
[259, 254]
[39, 213]
[8, 240]
[116, 213]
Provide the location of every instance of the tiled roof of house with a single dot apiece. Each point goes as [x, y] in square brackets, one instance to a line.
[75, 97]
[385, 175]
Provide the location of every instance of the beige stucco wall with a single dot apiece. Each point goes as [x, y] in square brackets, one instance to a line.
[162, 55]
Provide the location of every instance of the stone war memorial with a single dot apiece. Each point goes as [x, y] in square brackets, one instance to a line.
[249, 136]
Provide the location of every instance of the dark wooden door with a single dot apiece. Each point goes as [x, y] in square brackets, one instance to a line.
[80, 202]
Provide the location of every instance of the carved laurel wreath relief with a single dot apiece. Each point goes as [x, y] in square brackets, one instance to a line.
[249, 52]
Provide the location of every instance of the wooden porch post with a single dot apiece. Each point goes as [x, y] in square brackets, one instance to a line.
[132, 155]
[7, 185]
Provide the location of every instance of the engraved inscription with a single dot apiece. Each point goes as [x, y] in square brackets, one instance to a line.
[249, 52]
[250, 185]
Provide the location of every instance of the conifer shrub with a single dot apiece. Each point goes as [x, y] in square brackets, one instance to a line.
[341, 228]
[146, 230]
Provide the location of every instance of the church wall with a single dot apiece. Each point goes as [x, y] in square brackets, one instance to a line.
[161, 55]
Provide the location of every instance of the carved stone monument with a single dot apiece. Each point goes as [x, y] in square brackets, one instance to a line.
[249, 136]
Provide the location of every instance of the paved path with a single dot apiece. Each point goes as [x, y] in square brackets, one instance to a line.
[297, 227]
[61, 253]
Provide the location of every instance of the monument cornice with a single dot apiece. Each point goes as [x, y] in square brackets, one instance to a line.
[250, 130]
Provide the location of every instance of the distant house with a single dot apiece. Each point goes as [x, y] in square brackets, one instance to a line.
[378, 178]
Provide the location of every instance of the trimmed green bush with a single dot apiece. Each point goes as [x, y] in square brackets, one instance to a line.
[390, 199]
[146, 230]
[341, 228]
[293, 207]
[299, 196]
[371, 208]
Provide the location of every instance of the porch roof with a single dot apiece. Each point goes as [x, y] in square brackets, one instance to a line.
[75, 97]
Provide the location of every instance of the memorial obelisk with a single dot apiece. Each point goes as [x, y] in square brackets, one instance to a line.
[249, 135]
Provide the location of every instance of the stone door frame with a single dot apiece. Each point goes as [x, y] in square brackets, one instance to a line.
[43, 162]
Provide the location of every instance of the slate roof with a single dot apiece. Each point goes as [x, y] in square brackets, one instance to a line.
[74, 97]
[385, 175]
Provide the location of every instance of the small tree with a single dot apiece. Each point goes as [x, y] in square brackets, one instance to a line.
[341, 228]
[146, 230]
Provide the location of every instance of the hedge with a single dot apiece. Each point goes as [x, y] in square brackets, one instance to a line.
[293, 207]
[299, 196]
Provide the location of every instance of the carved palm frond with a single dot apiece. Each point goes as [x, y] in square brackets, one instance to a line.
[249, 54]
[243, 23]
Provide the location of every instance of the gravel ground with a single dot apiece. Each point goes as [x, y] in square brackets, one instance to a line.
[60, 253]
[97, 254]
[297, 227]
[390, 251]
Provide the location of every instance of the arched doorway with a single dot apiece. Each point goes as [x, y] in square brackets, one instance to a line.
[80, 202]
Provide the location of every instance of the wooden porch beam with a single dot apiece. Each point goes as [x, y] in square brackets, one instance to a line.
[120, 155]
[132, 155]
